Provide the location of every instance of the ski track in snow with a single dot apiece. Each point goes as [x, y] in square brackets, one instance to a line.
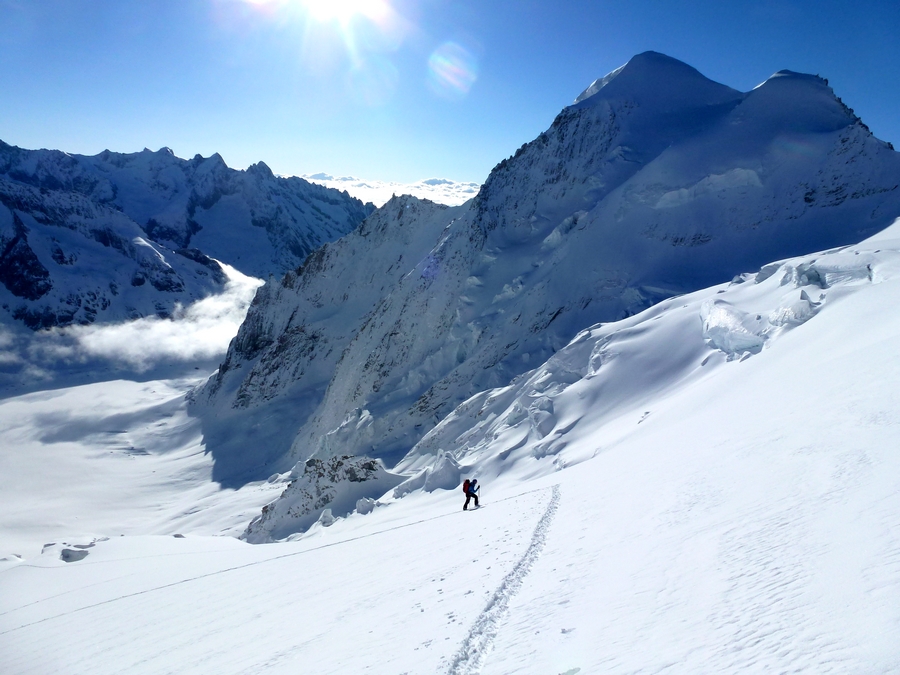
[537, 543]
[475, 647]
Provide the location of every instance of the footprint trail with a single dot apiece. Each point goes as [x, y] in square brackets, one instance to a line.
[471, 654]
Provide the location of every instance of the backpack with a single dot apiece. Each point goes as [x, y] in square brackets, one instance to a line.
[466, 486]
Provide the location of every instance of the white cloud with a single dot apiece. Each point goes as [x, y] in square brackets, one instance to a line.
[201, 330]
[440, 190]
[197, 332]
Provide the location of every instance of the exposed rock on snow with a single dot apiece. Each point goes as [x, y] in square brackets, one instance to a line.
[119, 236]
[70, 552]
[658, 183]
[73, 555]
[322, 491]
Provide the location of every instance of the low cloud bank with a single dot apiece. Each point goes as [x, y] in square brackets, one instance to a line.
[378, 192]
[195, 333]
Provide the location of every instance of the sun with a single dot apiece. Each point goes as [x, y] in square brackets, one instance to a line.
[365, 29]
[342, 11]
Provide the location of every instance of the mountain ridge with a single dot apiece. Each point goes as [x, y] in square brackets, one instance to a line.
[86, 238]
[604, 214]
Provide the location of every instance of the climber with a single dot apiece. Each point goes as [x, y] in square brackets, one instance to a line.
[471, 489]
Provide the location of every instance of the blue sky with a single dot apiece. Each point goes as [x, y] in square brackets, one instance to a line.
[394, 89]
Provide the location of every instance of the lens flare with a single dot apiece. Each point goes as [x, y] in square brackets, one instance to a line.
[452, 70]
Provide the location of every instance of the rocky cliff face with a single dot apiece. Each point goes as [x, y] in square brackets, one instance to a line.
[656, 182]
[117, 236]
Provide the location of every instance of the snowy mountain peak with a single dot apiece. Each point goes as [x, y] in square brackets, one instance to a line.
[796, 102]
[653, 77]
[660, 183]
[597, 85]
[165, 150]
[214, 160]
[260, 169]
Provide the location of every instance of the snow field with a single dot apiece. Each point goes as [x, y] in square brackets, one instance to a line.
[331, 603]
[110, 458]
[477, 644]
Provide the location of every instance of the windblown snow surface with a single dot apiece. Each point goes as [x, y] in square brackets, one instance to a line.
[710, 486]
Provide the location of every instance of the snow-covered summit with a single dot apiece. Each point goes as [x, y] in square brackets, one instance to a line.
[654, 79]
[798, 102]
[628, 198]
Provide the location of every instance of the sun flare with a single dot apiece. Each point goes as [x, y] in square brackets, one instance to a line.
[361, 35]
[341, 11]
[338, 10]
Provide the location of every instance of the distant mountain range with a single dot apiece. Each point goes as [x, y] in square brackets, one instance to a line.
[118, 236]
[656, 182]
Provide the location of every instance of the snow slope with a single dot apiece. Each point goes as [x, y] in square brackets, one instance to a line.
[614, 372]
[658, 183]
[111, 458]
[117, 236]
[692, 499]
